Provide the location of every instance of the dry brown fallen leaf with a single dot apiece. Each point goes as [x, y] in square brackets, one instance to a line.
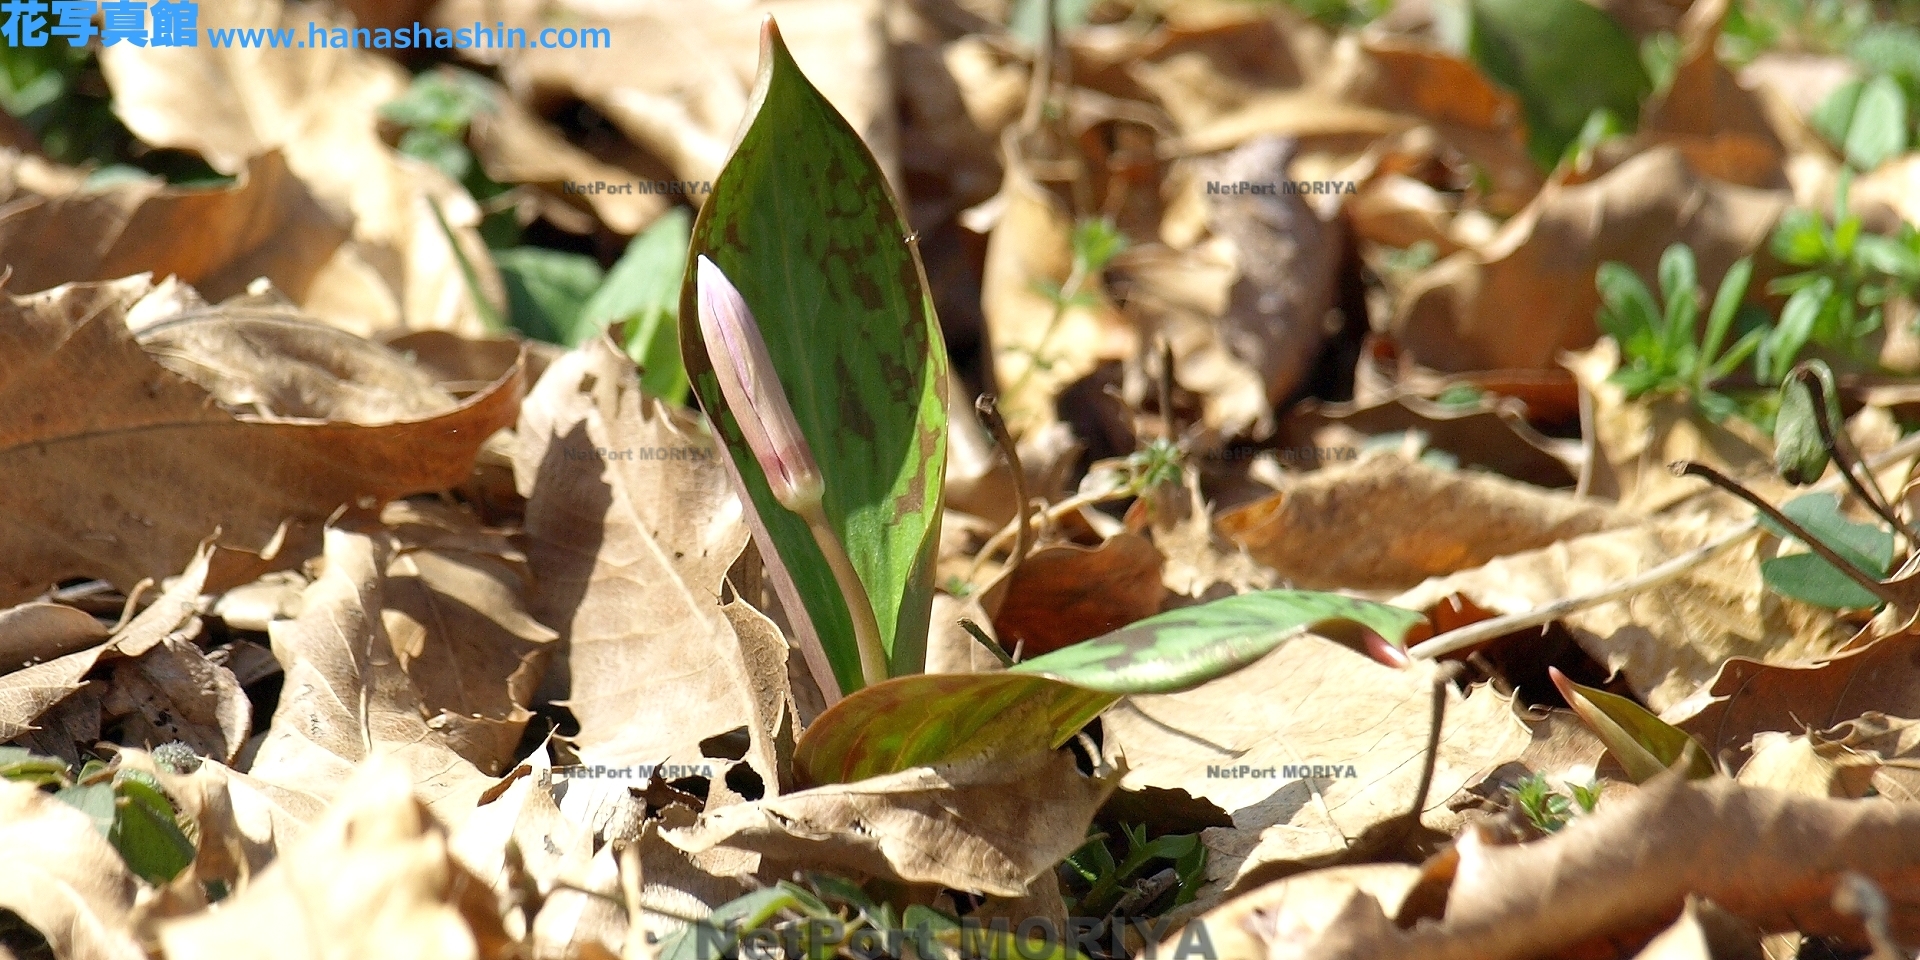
[1667, 640]
[515, 146]
[1719, 125]
[1039, 351]
[374, 878]
[456, 610]
[1631, 443]
[1387, 522]
[1746, 697]
[521, 840]
[121, 481]
[631, 525]
[1065, 594]
[63, 878]
[218, 714]
[981, 826]
[1770, 858]
[1237, 741]
[319, 109]
[1492, 435]
[681, 102]
[1245, 309]
[57, 230]
[1520, 299]
[346, 696]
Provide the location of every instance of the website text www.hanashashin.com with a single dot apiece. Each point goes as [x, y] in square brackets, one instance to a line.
[176, 23]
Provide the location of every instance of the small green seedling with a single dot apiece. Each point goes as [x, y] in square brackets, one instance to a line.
[1840, 296]
[1662, 349]
[1548, 809]
[128, 807]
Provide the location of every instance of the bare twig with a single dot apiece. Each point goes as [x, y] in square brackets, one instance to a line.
[1474, 634]
[989, 410]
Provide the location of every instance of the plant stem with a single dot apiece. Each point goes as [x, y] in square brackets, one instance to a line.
[989, 409]
[866, 630]
[1841, 447]
[1688, 468]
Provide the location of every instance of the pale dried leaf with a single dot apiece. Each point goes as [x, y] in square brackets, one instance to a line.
[63, 877]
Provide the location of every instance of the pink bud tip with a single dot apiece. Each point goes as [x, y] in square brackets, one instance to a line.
[751, 387]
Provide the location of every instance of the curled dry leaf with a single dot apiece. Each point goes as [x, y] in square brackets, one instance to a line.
[178, 672]
[346, 695]
[38, 631]
[63, 878]
[320, 109]
[269, 224]
[1243, 740]
[631, 525]
[1520, 299]
[375, 877]
[1771, 858]
[1388, 522]
[118, 481]
[1065, 594]
[1747, 697]
[985, 827]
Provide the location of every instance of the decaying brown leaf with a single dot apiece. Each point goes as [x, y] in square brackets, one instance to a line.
[1519, 300]
[1667, 640]
[1386, 522]
[374, 878]
[55, 230]
[1770, 858]
[456, 613]
[320, 109]
[1066, 594]
[346, 696]
[631, 526]
[122, 480]
[987, 827]
[1357, 728]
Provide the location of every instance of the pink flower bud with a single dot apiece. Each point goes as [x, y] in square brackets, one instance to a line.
[752, 390]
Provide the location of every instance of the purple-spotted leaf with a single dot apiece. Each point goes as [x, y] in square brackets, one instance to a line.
[1645, 745]
[801, 220]
[942, 718]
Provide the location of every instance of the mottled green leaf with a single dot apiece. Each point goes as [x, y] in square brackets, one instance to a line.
[802, 221]
[1645, 745]
[1183, 648]
[944, 718]
[1565, 59]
